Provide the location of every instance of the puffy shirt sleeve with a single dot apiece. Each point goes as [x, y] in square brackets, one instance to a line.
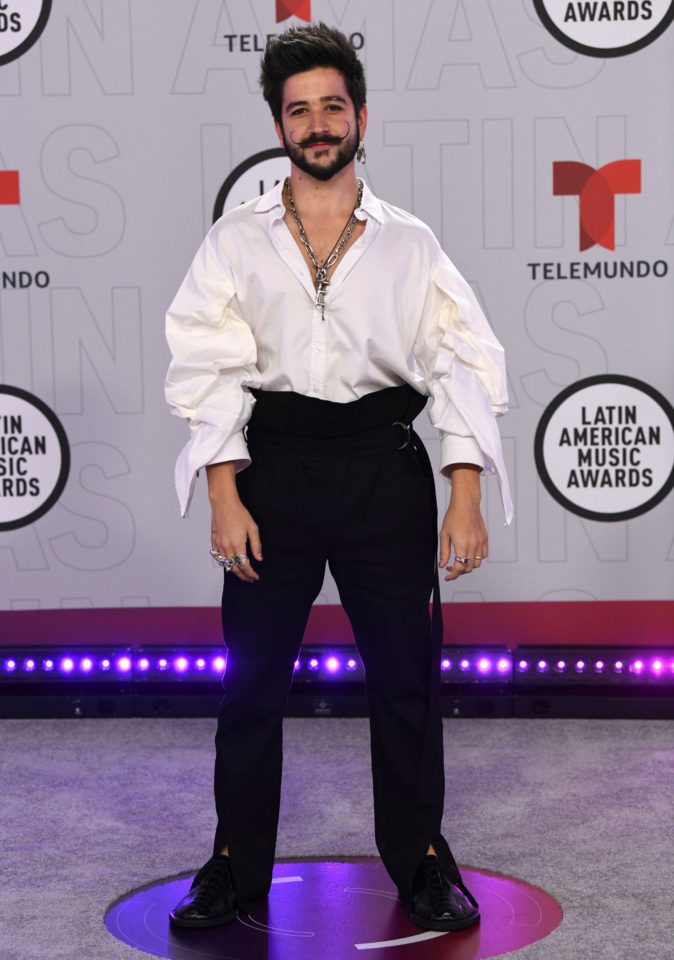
[463, 366]
[214, 356]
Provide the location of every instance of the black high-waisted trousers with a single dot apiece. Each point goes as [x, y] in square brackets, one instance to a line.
[327, 483]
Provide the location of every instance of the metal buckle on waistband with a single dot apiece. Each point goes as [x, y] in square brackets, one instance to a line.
[408, 434]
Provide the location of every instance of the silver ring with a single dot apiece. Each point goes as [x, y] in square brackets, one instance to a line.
[224, 562]
[464, 560]
[407, 428]
[240, 560]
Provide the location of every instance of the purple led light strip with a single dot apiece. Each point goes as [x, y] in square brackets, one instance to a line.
[332, 663]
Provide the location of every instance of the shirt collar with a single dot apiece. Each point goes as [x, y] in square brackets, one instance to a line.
[272, 203]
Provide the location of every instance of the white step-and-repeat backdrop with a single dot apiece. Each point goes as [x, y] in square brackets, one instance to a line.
[536, 139]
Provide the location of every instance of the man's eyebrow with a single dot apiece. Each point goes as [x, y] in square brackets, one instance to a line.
[335, 98]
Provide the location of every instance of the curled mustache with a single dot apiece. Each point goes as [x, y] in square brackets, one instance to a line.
[319, 138]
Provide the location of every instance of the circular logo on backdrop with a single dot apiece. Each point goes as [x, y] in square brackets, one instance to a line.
[252, 178]
[605, 28]
[21, 24]
[34, 458]
[604, 448]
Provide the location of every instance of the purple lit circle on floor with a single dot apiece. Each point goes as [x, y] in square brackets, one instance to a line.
[124, 664]
[503, 665]
[219, 664]
[484, 665]
[336, 909]
[332, 663]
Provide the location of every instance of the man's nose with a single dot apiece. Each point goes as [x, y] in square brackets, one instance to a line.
[319, 122]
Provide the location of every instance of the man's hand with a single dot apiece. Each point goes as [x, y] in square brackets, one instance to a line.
[463, 527]
[232, 526]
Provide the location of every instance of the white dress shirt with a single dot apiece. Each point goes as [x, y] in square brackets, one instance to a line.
[397, 311]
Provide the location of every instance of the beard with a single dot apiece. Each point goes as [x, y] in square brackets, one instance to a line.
[346, 150]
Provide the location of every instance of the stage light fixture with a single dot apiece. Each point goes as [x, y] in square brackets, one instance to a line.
[592, 667]
[524, 667]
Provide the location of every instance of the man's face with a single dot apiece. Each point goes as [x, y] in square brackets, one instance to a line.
[319, 127]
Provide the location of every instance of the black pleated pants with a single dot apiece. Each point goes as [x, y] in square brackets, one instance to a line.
[327, 483]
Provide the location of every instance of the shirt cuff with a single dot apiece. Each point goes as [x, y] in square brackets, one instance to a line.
[455, 449]
[234, 448]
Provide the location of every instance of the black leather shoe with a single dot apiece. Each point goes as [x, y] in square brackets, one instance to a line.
[439, 904]
[211, 900]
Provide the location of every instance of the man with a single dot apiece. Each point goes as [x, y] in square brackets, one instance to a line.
[320, 318]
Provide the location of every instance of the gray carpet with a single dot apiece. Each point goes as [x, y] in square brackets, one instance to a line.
[582, 808]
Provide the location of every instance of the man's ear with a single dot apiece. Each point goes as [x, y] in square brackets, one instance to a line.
[362, 121]
[279, 132]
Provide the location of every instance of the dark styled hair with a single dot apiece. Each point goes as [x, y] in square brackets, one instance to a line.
[302, 48]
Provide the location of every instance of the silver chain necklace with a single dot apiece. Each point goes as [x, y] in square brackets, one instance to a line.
[321, 282]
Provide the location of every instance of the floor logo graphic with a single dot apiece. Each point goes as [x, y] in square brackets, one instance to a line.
[9, 187]
[605, 28]
[604, 448]
[596, 190]
[293, 8]
[34, 458]
[21, 24]
[252, 178]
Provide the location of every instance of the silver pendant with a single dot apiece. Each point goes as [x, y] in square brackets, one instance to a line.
[322, 284]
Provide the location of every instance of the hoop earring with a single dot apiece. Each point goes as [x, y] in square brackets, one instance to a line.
[361, 156]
